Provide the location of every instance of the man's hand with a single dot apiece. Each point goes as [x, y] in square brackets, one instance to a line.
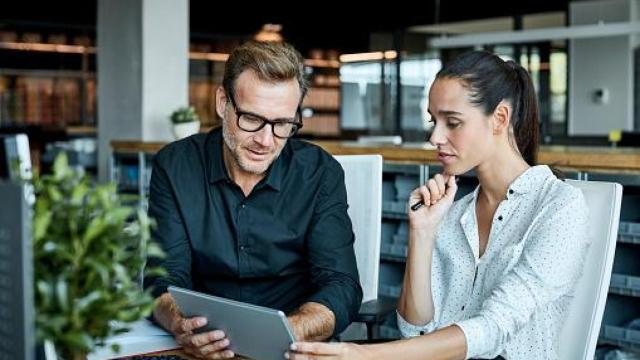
[312, 322]
[206, 345]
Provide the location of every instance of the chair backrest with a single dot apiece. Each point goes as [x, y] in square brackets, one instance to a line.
[363, 180]
[579, 334]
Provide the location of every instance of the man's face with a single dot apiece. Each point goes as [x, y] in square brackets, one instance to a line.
[253, 152]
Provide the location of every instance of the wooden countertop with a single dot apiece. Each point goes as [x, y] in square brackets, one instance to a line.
[584, 158]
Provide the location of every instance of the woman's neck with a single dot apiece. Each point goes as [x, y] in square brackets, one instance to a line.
[496, 175]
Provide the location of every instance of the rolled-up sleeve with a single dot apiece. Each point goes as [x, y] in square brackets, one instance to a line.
[333, 269]
[169, 232]
[408, 329]
[542, 275]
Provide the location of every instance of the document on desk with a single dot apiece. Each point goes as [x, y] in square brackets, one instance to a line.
[144, 337]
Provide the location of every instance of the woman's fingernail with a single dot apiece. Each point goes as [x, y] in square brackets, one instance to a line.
[286, 355]
[293, 347]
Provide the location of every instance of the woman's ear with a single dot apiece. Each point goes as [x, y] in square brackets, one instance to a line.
[221, 102]
[501, 117]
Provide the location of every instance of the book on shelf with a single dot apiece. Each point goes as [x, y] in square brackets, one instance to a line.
[323, 98]
[321, 124]
[36, 100]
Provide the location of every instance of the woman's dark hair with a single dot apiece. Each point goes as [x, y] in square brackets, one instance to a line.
[489, 80]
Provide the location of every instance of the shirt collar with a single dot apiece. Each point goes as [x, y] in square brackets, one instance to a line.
[529, 180]
[218, 171]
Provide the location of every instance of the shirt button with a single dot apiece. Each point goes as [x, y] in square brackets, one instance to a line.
[421, 332]
[243, 205]
[510, 191]
[462, 308]
[500, 217]
[243, 248]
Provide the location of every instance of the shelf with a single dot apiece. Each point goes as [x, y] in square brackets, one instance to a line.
[536, 35]
[42, 47]
[394, 216]
[75, 130]
[46, 73]
[321, 63]
[194, 55]
[625, 285]
[389, 290]
[388, 332]
[393, 258]
[81, 130]
[324, 86]
[629, 233]
[620, 336]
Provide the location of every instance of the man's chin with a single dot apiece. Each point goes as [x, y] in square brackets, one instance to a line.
[256, 168]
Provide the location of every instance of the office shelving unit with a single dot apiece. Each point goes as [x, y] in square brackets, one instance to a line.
[623, 302]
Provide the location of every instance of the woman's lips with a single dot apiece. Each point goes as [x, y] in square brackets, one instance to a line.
[445, 157]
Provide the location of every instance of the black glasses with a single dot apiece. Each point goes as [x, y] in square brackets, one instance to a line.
[282, 128]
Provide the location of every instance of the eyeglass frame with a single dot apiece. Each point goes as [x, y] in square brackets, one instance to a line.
[297, 124]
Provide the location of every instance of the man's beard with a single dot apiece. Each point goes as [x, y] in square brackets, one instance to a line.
[235, 148]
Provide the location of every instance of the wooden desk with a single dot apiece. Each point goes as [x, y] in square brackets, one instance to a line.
[184, 355]
[581, 158]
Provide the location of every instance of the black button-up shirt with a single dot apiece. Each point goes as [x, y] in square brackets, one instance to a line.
[289, 242]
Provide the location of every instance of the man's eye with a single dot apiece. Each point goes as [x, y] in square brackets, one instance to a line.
[252, 118]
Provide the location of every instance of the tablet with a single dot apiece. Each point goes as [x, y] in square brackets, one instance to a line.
[254, 331]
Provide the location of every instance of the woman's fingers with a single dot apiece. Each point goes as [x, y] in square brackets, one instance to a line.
[434, 190]
[426, 194]
[452, 187]
[317, 348]
[441, 181]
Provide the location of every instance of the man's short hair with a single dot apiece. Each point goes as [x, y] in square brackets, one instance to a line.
[271, 61]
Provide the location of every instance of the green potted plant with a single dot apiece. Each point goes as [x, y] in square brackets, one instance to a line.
[185, 122]
[89, 256]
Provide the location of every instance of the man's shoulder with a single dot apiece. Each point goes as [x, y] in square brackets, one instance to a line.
[309, 155]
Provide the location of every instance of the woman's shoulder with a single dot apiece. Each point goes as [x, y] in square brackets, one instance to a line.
[560, 197]
[555, 190]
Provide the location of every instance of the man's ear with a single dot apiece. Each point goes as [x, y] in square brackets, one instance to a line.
[221, 102]
[501, 117]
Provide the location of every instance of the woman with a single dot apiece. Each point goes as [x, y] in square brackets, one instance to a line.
[492, 274]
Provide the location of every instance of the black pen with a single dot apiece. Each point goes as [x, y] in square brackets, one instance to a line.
[420, 203]
[417, 205]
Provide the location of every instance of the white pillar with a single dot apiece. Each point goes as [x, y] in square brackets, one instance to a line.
[143, 70]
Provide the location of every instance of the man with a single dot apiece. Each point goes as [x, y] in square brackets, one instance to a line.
[243, 212]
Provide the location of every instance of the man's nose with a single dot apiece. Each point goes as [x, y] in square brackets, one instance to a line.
[264, 136]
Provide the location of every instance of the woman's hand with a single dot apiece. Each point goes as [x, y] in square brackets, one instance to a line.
[437, 194]
[328, 351]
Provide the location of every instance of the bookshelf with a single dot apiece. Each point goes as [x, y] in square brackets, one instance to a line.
[49, 91]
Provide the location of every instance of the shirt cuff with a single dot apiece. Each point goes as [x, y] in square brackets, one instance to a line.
[408, 329]
[340, 313]
[474, 330]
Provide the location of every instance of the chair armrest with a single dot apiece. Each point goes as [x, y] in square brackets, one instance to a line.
[376, 311]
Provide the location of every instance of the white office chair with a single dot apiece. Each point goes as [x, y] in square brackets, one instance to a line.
[363, 180]
[579, 335]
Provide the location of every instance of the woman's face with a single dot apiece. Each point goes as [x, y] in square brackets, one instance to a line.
[462, 132]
